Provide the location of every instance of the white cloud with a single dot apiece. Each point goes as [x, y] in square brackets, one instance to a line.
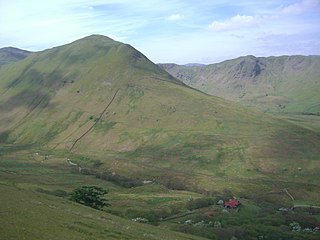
[301, 7]
[175, 17]
[60, 21]
[34, 26]
[236, 22]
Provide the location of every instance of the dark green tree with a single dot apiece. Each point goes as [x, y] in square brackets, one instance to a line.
[90, 196]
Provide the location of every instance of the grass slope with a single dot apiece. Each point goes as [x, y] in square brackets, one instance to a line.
[286, 84]
[28, 213]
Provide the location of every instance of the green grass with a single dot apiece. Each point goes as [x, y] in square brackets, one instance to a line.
[104, 127]
[31, 215]
[34, 214]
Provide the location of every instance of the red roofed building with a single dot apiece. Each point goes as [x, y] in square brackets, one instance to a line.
[232, 203]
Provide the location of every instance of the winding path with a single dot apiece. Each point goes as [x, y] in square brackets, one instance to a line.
[305, 206]
[287, 192]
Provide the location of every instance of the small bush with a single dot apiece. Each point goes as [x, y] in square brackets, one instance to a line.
[4, 137]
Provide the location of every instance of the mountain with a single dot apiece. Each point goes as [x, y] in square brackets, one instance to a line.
[286, 84]
[96, 96]
[194, 65]
[97, 109]
[10, 54]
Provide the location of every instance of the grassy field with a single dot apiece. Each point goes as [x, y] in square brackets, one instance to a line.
[30, 215]
[31, 207]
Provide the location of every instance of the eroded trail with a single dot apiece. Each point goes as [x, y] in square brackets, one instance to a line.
[103, 112]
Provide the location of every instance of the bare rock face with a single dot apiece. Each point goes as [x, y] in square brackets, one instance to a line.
[248, 67]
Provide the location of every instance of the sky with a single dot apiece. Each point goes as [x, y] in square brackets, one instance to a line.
[179, 31]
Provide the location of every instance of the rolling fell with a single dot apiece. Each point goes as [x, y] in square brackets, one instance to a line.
[285, 84]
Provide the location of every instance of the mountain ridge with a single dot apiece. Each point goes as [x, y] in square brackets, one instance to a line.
[271, 84]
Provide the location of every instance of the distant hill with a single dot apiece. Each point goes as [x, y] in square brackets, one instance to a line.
[194, 65]
[10, 54]
[287, 84]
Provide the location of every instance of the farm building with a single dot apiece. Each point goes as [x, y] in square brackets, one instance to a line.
[232, 203]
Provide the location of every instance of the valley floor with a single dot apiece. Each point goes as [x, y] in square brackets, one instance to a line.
[35, 205]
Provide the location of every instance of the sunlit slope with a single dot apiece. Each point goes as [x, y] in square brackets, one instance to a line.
[285, 84]
[97, 96]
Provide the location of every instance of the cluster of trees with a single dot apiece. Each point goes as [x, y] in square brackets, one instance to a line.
[91, 196]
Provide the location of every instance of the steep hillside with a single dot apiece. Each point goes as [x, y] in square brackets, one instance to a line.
[10, 54]
[287, 84]
[105, 100]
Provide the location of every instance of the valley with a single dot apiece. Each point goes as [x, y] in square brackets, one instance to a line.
[99, 112]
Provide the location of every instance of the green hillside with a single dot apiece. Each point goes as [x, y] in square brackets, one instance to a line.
[286, 84]
[121, 118]
[52, 218]
[97, 96]
[33, 206]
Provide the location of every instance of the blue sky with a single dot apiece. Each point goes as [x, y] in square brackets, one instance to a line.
[180, 31]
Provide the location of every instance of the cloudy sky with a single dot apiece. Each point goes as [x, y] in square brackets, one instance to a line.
[181, 31]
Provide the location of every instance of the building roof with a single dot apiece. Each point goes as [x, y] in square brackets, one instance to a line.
[232, 203]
